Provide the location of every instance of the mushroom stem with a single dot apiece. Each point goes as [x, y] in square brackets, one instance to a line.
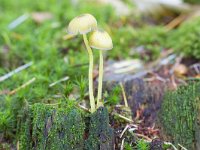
[90, 75]
[99, 95]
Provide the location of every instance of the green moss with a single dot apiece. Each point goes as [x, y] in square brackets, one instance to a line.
[152, 38]
[8, 116]
[101, 135]
[142, 145]
[179, 114]
[52, 128]
[122, 41]
[192, 1]
[127, 146]
[186, 39]
[113, 97]
[6, 123]
[127, 39]
[24, 132]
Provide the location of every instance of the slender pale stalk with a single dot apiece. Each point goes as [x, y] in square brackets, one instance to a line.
[90, 74]
[99, 95]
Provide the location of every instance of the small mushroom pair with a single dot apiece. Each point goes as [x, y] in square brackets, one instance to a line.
[99, 39]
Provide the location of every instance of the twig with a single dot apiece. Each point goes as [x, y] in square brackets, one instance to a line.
[155, 77]
[143, 136]
[182, 147]
[17, 145]
[22, 86]
[124, 95]
[123, 117]
[182, 81]
[133, 129]
[61, 80]
[173, 82]
[119, 106]
[122, 146]
[174, 23]
[84, 108]
[6, 76]
[168, 143]
[127, 126]
[18, 21]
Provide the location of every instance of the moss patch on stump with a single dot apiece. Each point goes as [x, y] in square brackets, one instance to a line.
[49, 128]
[180, 115]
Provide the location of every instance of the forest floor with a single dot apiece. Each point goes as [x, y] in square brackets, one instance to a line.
[40, 63]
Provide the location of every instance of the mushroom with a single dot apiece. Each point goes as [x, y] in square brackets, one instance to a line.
[101, 40]
[82, 25]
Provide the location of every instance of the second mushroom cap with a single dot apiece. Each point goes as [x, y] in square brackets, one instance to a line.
[100, 39]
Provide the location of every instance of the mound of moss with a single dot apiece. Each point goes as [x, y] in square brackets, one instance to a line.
[152, 39]
[192, 1]
[179, 115]
[52, 128]
[186, 39]
[148, 40]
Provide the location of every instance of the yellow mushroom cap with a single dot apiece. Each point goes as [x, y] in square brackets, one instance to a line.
[100, 39]
[82, 24]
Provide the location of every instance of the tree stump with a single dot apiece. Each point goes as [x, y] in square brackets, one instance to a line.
[101, 135]
[47, 128]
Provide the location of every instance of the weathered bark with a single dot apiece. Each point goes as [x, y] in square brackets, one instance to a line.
[101, 135]
[141, 95]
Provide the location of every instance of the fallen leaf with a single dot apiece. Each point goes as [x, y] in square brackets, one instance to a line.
[197, 76]
[180, 70]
